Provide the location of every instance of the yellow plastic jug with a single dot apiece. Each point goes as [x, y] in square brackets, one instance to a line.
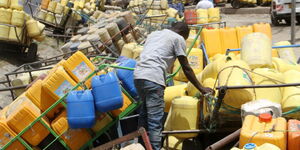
[42, 14]
[44, 4]
[6, 134]
[49, 17]
[291, 95]
[137, 51]
[37, 94]
[4, 32]
[5, 15]
[15, 34]
[58, 83]
[103, 119]
[232, 74]
[253, 131]
[191, 38]
[265, 146]
[274, 53]
[4, 3]
[32, 28]
[74, 138]
[172, 92]
[257, 50]
[171, 12]
[52, 6]
[79, 67]
[64, 2]
[59, 8]
[126, 103]
[195, 59]
[174, 143]
[17, 18]
[283, 66]
[241, 32]
[202, 16]
[269, 77]
[214, 14]
[183, 115]
[127, 50]
[212, 41]
[286, 53]
[16, 4]
[263, 28]
[20, 114]
[229, 39]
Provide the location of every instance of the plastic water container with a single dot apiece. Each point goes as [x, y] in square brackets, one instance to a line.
[81, 109]
[171, 92]
[37, 94]
[256, 125]
[126, 103]
[283, 65]
[79, 67]
[52, 6]
[32, 28]
[59, 9]
[58, 83]
[42, 14]
[229, 39]
[233, 76]
[4, 3]
[49, 17]
[15, 34]
[190, 16]
[291, 94]
[107, 92]
[126, 76]
[137, 51]
[5, 15]
[293, 137]
[287, 54]
[214, 15]
[263, 28]
[243, 31]
[74, 138]
[212, 41]
[102, 119]
[202, 16]
[17, 18]
[252, 146]
[127, 50]
[183, 115]
[171, 12]
[257, 50]
[174, 143]
[20, 114]
[45, 3]
[4, 32]
[17, 4]
[264, 93]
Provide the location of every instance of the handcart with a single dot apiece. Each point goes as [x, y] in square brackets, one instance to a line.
[23, 46]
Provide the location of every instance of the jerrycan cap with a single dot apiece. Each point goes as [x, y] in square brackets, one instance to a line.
[249, 146]
[265, 117]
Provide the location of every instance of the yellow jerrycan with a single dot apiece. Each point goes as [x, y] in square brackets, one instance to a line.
[5, 15]
[265, 146]
[174, 143]
[16, 4]
[137, 51]
[171, 12]
[4, 32]
[283, 66]
[214, 14]
[126, 103]
[74, 138]
[254, 128]
[78, 66]
[195, 59]
[234, 73]
[183, 115]
[257, 50]
[32, 28]
[4, 3]
[52, 6]
[20, 114]
[102, 119]
[127, 50]
[191, 38]
[202, 16]
[172, 92]
[291, 95]
[287, 54]
[243, 31]
[15, 34]
[212, 41]
[211, 83]
[229, 39]
[191, 90]
[266, 76]
[263, 28]
[275, 53]
[18, 18]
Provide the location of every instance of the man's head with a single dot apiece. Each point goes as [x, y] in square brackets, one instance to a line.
[181, 28]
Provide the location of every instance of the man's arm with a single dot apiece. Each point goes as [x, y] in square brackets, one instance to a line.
[189, 73]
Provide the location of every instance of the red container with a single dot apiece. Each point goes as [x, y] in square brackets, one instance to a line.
[190, 16]
[294, 137]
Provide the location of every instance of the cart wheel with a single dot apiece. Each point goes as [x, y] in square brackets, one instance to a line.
[31, 54]
[235, 4]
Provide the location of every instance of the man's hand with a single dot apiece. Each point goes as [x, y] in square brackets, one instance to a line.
[207, 90]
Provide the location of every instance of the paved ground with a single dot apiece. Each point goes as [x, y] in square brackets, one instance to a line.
[49, 48]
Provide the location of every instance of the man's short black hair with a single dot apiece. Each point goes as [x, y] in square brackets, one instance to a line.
[181, 28]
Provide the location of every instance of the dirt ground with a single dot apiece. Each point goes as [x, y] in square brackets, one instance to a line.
[49, 48]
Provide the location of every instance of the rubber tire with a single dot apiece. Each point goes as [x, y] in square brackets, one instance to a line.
[31, 54]
[235, 4]
[288, 21]
[274, 20]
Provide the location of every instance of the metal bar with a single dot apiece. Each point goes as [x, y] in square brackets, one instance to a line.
[9, 84]
[257, 86]
[14, 73]
[220, 144]
[13, 88]
[293, 21]
[184, 131]
[283, 46]
[205, 53]
[215, 114]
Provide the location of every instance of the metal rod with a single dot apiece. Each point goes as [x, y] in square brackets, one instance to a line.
[220, 144]
[258, 86]
[184, 131]
[13, 88]
[283, 46]
[293, 21]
